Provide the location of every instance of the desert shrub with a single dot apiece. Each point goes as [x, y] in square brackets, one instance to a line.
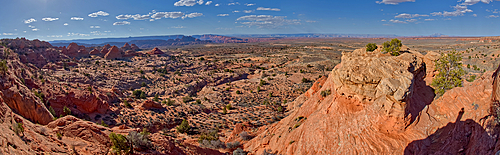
[3, 66]
[139, 140]
[305, 80]
[187, 99]
[169, 102]
[245, 136]
[139, 94]
[258, 88]
[232, 145]
[17, 128]
[156, 98]
[120, 143]
[51, 110]
[66, 111]
[262, 82]
[279, 109]
[103, 124]
[198, 101]
[238, 92]
[229, 106]
[270, 94]
[239, 151]
[325, 93]
[213, 144]
[471, 78]
[59, 135]
[127, 104]
[183, 127]
[392, 46]
[450, 72]
[224, 110]
[371, 47]
[143, 84]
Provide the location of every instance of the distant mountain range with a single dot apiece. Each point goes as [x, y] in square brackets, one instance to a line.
[174, 40]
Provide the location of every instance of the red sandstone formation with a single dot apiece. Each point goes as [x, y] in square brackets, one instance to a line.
[113, 53]
[155, 51]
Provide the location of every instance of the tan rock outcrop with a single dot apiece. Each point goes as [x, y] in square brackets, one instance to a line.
[134, 47]
[354, 124]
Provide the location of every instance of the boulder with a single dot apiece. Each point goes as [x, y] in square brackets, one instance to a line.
[149, 104]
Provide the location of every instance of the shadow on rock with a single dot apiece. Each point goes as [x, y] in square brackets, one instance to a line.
[461, 137]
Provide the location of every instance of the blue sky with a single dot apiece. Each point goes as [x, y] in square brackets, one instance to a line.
[81, 19]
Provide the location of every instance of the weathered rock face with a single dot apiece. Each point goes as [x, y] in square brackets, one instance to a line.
[155, 51]
[105, 50]
[354, 124]
[373, 76]
[19, 97]
[113, 53]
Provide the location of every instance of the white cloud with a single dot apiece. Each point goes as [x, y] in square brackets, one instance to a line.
[249, 4]
[55, 36]
[178, 27]
[472, 2]
[208, 3]
[48, 19]
[411, 20]
[136, 17]
[235, 11]
[475, 15]
[192, 15]
[429, 19]
[76, 18]
[268, 9]
[234, 3]
[99, 13]
[405, 15]
[460, 10]
[393, 2]
[95, 27]
[267, 21]
[311, 21]
[9, 34]
[78, 34]
[121, 23]
[159, 15]
[188, 2]
[30, 26]
[247, 11]
[383, 20]
[397, 21]
[217, 4]
[65, 24]
[31, 20]
[492, 16]
[223, 15]
[35, 29]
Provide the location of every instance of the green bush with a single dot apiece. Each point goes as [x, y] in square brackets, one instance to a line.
[52, 111]
[187, 99]
[156, 98]
[471, 78]
[18, 128]
[450, 72]
[127, 104]
[371, 47]
[139, 140]
[392, 46]
[305, 80]
[325, 93]
[143, 95]
[66, 111]
[120, 143]
[183, 127]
